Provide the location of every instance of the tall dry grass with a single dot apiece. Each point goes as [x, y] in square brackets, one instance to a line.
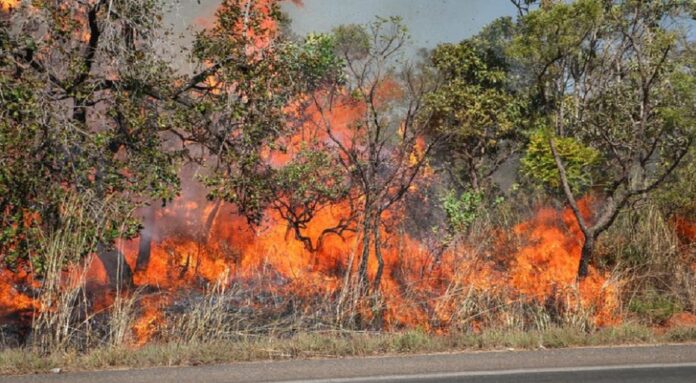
[207, 317]
[63, 318]
[658, 270]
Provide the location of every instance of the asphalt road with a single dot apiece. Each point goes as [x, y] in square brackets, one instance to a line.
[664, 364]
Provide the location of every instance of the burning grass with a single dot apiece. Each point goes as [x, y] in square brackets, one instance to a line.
[230, 293]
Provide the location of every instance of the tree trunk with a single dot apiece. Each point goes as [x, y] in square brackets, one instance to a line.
[474, 178]
[117, 270]
[585, 256]
[363, 283]
[144, 250]
[377, 239]
[589, 233]
[145, 245]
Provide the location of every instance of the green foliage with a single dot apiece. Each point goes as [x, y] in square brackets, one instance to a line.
[475, 108]
[654, 307]
[580, 162]
[496, 37]
[311, 180]
[352, 41]
[263, 86]
[469, 62]
[555, 31]
[68, 128]
[564, 61]
[314, 62]
[678, 196]
[461, 211]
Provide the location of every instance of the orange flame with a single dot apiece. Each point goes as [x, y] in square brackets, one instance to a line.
[195, 241]
[548, 264]
[12, 300]
[7, 5]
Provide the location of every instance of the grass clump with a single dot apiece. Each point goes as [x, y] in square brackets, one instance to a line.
[682, 334]
[627, 333]
[655, 308]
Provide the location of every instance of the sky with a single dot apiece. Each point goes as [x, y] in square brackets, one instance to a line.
[429, 21]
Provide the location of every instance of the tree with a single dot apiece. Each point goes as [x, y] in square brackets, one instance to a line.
[90, 105]
[579, 161]
[475, 107]
[243, 102]
[254, 107]
[310, 182]
[381, 153]
[76, 117]
[619, 78]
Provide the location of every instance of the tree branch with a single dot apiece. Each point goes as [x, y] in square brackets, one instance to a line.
[568, 193]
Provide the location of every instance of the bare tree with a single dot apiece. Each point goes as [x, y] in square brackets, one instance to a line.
[383, 151]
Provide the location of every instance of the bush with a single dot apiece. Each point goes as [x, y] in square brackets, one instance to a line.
[653, 307]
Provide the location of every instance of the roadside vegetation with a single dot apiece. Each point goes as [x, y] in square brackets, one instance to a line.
[328, 345]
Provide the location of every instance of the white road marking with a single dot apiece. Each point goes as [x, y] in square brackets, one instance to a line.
[445, 375]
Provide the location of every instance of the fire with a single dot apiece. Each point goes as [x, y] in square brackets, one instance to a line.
[551, 259]
[186, 256]
[545, 267]
[257, 25]
[7, 5]
[149, 322]
[12, 300]
[548, 264]
[685, 229]
[193, 242]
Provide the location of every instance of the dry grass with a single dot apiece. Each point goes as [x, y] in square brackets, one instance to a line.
[64, 319]
[325, 345]
[657, 268]
[206, 318]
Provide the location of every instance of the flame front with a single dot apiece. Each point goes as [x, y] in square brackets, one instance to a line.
[194, 242]
[417, 284]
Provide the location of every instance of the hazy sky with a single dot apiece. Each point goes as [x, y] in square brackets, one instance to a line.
[429, 21]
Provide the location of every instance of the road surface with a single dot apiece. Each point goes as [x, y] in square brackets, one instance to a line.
[664, 364]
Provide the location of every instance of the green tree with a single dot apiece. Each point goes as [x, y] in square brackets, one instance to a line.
[378, 154]
[461, 211]
[580, 162]
[618, 78]
[253, 100]
[90, 104]
[475, 107]
[77, 116]
[310, 182]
